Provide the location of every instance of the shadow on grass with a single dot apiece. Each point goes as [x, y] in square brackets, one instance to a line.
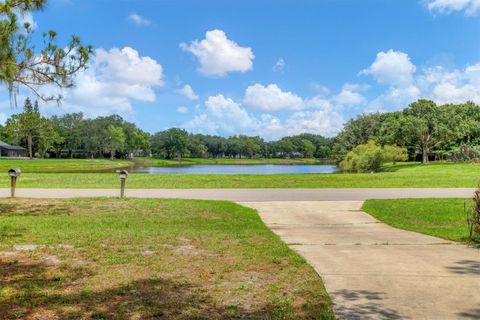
[466, 267]
[470, 314]
[397, 167]
[27, 209]
[33, 291]
[11, 232]
[362, 304]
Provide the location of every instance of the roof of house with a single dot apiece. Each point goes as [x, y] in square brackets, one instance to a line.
[7, 146]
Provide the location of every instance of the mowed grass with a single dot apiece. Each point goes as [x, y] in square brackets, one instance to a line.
[100, 174]
[149, 259]
[409, 175]
[444, 218]
[62, 165]
[154, 162]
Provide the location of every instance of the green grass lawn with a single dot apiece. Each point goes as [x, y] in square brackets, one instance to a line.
[444, 218]
[63, 165]
[410, 175]
[58, 174]
[153, 162]
[148, 259]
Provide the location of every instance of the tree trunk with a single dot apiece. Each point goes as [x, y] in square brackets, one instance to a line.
[425, 155]
[30, 148]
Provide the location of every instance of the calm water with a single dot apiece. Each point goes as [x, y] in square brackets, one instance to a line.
[240, 169]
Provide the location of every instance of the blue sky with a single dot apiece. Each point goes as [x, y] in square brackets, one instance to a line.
[271, 68]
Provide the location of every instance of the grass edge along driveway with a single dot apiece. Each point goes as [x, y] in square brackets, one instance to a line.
[443, 218]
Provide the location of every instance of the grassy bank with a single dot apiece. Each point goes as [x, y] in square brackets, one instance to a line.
[153, 162]
[63, 165]
[400, 176]
[146, 259]
[444, 218]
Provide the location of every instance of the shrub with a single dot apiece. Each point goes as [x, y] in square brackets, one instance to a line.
[474, 219]
[370, 157]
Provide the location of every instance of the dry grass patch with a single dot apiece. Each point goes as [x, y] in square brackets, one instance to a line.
[149, 259]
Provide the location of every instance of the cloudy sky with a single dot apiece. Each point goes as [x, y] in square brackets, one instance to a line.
[269, 68]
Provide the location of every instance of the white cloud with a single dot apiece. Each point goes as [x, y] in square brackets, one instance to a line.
[394, 98]
[139, 20]
[223, 116]
[470, 7]
[279, 65]
[271, 98]
[391, 67]
[182, 109]
[455, 86]
[349, 96]
[322, 120]
[320, 89]
[188, 92]
[126, 66]
[219, 55]
[435, 83]
[113, 80]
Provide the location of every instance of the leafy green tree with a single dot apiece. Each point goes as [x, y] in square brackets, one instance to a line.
[48, 137]
[250, 146]
[428, 125]
[307, 148]
[29, 125]
[357, 131]
[196, 147]
[137, 141]
[22, 66]
[26, 125]
[172, 143]
[393, 154]
[68, 127]
[363, 158]
[115, 140]
[369, 157]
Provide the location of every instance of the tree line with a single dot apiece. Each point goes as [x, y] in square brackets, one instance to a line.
[73, 135]
[423, 131]
[176, 143]
[426, 130]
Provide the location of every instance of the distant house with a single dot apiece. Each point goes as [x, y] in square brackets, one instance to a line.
[7, 150]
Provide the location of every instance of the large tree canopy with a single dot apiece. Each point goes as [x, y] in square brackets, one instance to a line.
[423, 128]
[22, 65]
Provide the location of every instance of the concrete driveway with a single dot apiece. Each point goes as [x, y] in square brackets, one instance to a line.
[374, 271]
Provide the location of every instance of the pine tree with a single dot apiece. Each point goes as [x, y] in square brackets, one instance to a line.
[19, 64]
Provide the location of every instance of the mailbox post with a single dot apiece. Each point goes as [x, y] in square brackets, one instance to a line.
[123, 175]
[14, 173]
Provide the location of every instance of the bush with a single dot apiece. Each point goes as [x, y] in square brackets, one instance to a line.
[370, 157]
[474, 219]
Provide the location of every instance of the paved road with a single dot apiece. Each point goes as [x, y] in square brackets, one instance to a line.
[374, 271]
[251, 194]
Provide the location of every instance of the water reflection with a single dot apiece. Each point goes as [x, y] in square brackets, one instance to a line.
[239, 169]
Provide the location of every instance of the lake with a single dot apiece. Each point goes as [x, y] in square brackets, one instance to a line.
[239, 169]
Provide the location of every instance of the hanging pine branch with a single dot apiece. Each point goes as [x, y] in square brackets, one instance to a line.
[24, 66]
